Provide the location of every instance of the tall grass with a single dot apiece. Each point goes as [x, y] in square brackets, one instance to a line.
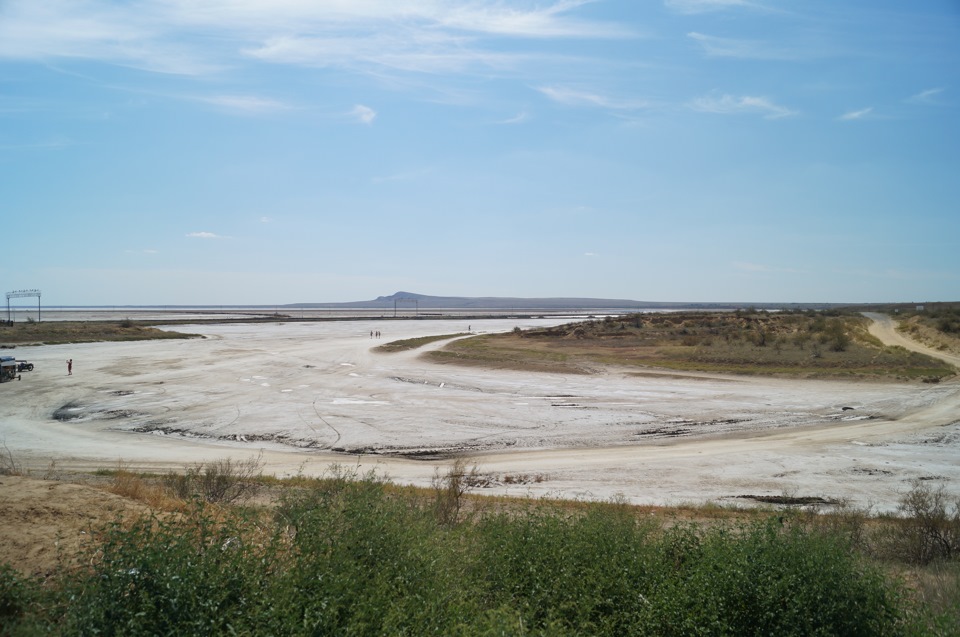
[351, 555]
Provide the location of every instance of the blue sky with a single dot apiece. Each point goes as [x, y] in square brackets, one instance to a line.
[282, 151]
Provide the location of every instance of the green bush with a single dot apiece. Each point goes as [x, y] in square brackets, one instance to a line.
[355, 557]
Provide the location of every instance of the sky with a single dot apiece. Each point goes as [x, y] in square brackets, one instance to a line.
[165, 152]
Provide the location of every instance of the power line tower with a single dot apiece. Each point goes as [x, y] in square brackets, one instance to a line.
[19, 294]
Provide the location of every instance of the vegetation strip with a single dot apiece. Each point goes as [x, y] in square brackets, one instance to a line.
[792, 344]
[414, 343]
[60, 332]
[353, 554]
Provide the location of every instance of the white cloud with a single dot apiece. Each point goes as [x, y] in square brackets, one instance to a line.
[519, 118]
[547, 21]
[703, 6]
[853, 115]
[188, 37]
[363, 114]
[266, 220]
[576, 97]
[203, 235]
[729, 104]
[248, 104]
[714, 46]
[928, 96]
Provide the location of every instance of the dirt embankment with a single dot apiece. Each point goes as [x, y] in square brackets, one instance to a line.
[48, 523]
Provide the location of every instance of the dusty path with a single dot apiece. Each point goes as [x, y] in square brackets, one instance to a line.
[308, 395]
[884, 328]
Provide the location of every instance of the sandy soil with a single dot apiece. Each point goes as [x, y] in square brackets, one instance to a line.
[307, 395]
[48, 523]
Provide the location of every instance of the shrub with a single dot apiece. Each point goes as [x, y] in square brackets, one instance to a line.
[930, 527]
[767, 579]
[450, 489]
[222, 481]
[8, 465]
[352, 555]
[17, 595]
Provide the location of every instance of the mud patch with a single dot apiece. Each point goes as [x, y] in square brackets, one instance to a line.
[115, 414]
[870, 471]
[682, 427]
[72, 410]
[75, 411]
[790, 500]
[166, 430]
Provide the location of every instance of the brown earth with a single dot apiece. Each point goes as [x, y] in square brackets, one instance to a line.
[48, 524]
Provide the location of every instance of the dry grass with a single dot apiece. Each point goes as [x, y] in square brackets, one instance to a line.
[801, 344]
[58, 332]
[413, 343]
[148, 490]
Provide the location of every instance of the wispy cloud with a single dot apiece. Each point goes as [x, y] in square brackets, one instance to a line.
[204, 235]
[928, 96]
[540, 21]
[575, 97]
[161, 35]
[854, 115]
[704, 6]
[246, 104]
[266, 220]
[731, 105]
[519, 118]
[714, 46]
[363, 114]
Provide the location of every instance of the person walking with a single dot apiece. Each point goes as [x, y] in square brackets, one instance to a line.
[69, 367]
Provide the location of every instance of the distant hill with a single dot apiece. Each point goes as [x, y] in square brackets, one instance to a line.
[427, 302]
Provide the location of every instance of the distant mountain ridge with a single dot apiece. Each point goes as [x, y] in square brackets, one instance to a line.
[424, 301]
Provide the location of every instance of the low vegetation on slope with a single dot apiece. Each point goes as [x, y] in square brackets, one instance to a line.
[58, 332]
[938, 326]
[414, 343]
[800, 344]
[354, 555]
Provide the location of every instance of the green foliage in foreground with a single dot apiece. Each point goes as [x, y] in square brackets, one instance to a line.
[352, 557]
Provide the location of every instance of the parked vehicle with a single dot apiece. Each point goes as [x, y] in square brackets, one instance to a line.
[8, 369]
[24, 366]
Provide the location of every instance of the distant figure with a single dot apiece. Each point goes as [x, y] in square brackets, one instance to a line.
[69, 367]
[371, 333]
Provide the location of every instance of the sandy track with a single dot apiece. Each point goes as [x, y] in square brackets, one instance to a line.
[310, 394]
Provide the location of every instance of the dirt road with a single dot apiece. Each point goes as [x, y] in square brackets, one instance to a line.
[885, 329]
[307, 395]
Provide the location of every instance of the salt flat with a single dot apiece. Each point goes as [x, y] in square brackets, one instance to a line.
[309, 394]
